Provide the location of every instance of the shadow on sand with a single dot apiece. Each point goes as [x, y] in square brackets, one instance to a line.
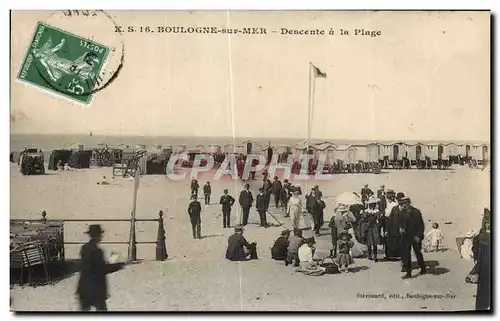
[211, 235]
[35, 276]
[432, 267]
[357, 269]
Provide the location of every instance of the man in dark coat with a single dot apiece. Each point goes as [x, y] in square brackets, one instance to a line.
[317, 191]
[286, 193]
[92, 288]
[194, 211]
[482, 255]
[366, 192]
[317, 212]
[276, 190]
[267, 185]
[238, 249]
[207, 191]
[393, 238]
[246, 202]
[194, 187]
[261, 207]
[227, 202]
[382, 204]
[412, 229]
[279, 249]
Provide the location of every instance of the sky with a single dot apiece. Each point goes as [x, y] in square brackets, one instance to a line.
[426, 77]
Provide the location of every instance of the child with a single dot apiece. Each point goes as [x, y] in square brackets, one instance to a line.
[433, 239]
[294, 243]
[344, 246]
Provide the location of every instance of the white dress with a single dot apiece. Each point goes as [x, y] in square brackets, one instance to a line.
[435, 237]
[295, 209]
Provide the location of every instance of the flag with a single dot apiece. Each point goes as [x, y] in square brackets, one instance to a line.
[318, 73]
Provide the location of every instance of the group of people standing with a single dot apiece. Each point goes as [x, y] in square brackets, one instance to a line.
[389, 219]
[384, 218]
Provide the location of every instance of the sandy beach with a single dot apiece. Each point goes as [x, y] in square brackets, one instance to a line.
[196, 275]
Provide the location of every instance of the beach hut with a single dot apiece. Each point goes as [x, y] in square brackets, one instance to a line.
[416, 151]
[361, 153]
[384, 150]
[252, 146]
[198, 148]
[431, 150]
[397, 151]
[453, 149]
[214, 149]
[330, 155]
[346, 153]
[369, 152]
[302, 145]
[240, 149]
[476, 152]
[323, 145]
[485, 152]
[228, 148]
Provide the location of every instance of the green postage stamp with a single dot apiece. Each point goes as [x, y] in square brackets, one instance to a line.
[63, 63]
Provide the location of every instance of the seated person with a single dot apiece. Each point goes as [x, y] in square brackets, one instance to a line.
[307, 265]
[238, 249]
[294, 243]
[279, 249]
[306, 251]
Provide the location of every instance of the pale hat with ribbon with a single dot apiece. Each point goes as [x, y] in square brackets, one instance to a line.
[373, 200]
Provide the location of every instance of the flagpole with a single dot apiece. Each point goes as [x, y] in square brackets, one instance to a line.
[313, 90]
[309, 107]
[308, 124]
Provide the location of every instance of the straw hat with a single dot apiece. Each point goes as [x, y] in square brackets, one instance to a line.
[373, 200]
[342, 208]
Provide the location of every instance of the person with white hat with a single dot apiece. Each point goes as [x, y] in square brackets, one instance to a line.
[340, 221]
[371, 231]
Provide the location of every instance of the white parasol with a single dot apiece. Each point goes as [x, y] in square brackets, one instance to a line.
[348, 198]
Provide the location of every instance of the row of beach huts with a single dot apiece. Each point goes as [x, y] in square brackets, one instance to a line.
[152, 159]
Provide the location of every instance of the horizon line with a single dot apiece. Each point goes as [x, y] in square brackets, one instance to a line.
[255, 138]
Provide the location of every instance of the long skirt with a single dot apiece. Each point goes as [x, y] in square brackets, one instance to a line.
[393, 245]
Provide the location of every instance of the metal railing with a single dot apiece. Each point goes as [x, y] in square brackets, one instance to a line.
[161, 249]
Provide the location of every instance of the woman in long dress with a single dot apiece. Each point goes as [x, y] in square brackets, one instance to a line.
[295, 208]
[370, 227]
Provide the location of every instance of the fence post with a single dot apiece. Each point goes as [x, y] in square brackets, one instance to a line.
[44, 217]
[132, 246]
[161, 248]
